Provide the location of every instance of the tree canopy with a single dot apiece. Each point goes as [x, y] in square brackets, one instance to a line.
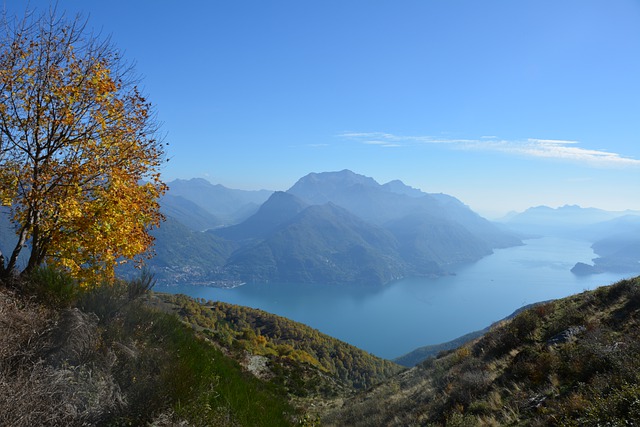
[80, 155]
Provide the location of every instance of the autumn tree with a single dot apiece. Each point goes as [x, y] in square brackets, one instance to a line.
[79, 149]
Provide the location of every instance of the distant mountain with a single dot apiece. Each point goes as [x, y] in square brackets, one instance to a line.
[617, 244]
[568, 220]
[333, 227]
[9, 238]
[322, 244]
[278, 209]
[431, 244]
[380, 204]
[188, 213]
[230, 205]
[183, 255]
[399, 187]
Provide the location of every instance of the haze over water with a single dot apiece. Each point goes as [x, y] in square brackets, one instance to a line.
[402, 316]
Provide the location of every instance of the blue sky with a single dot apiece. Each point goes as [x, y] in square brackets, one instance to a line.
[503, 104]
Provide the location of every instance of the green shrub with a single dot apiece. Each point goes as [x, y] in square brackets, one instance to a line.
[53, 287]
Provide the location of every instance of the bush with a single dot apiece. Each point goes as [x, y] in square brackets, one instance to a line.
[53, 287]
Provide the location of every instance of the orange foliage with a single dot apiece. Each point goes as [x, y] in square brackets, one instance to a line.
[79, 156]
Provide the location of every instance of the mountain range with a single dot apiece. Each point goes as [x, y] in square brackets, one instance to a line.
[330, 228]
[615, 236]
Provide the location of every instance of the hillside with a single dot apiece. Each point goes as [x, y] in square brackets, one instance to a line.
[72, 357]
[330, 367]
[183, 255]
[323, 244]
[119, 355]
[570, 362]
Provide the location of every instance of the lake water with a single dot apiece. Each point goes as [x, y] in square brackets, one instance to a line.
[411, 313]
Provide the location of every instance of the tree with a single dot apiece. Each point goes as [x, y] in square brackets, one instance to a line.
[79, 149]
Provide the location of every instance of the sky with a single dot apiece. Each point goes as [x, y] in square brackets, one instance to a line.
[503, 104]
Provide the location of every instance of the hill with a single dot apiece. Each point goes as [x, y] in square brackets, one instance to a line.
[570, 362]
[72, 357]
[183, 255]
[121, 355]
[305, 361]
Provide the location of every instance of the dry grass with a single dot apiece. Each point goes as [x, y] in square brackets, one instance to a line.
[46, 375]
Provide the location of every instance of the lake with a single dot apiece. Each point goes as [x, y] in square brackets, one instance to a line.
[402, 316]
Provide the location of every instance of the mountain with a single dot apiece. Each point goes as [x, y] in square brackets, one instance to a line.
[183, 255]
[229, 205]
[188, 213]
[617, 244]
[569, 362]
[568, 220]
[322, 244]
[278, 209]
[399, 187]
[332, 227]
[9, 238]
[432, 244]
[380, 204]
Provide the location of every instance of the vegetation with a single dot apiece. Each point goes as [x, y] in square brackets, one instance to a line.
[100, 356]
[303, 360]
[570, 362]
[76, 140]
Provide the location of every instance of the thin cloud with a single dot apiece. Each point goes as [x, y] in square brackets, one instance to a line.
[558, 149]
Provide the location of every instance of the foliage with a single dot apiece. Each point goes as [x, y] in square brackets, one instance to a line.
[570, 362]
[292, 344]
[76, 140]
[115, 361]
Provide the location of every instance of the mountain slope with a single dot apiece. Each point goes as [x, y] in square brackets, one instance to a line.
[277, 210]
[570, 362]
[186, 256]
[188, 213]
[322, 244]
[379, 204]
[330, 367]
[227, 204]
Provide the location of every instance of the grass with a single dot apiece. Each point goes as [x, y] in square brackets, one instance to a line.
[100, 356]
[570, 362]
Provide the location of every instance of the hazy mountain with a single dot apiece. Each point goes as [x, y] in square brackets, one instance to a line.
[334, 227]
[227, 204]
[429, 244]
[9, 238]
[183, 255]
[188, 213]
[617, 244]
[380, 204]
[626, 224]
[278, 209]
[568, 220]
[322, 244]
[399, 187]
[360, 195]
